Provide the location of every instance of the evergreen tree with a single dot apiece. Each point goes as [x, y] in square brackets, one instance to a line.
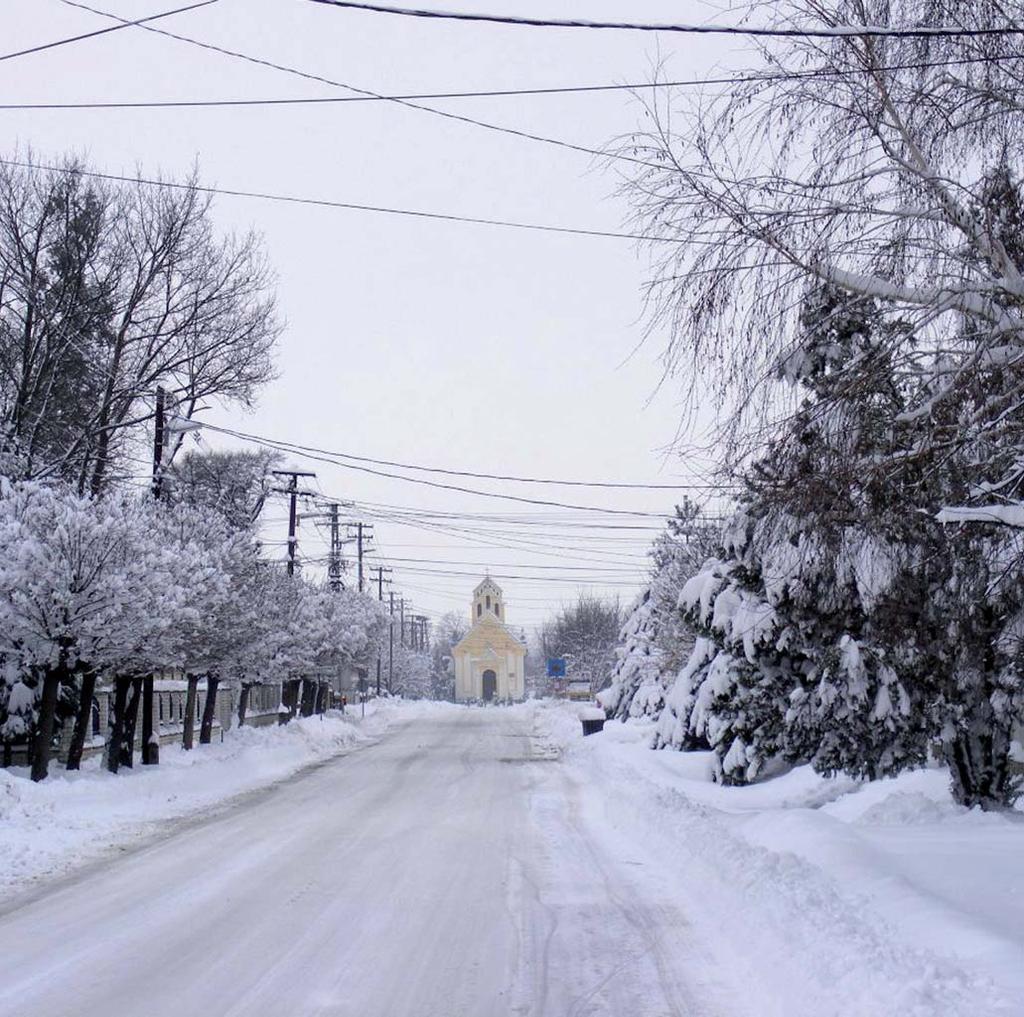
[804, 655]
[655, 638]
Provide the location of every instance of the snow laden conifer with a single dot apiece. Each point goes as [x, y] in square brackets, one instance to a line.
[798, 657]
[912, 200]
[655, 638]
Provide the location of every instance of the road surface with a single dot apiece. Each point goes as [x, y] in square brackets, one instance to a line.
[451, 870]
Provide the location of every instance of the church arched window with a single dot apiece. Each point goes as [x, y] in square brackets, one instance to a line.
[497, 609]
[488, 602]
[479, 609]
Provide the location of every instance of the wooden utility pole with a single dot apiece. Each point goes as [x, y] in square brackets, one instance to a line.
[159, 438]
[151, 741]
[334, 564]
[391, 641]
[335, 559]
[420, 631]
[364, 534]
[292, 490]
[380, 570]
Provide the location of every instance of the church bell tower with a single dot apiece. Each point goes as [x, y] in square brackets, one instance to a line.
[487, 599]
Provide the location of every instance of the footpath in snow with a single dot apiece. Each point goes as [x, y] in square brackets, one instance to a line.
[70, 819]
[832, 897]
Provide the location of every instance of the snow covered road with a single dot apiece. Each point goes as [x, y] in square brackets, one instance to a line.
[449, 870]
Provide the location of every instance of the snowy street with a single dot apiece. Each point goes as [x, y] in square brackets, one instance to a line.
[445, 871]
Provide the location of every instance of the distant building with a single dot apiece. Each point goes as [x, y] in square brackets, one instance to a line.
[489, 660]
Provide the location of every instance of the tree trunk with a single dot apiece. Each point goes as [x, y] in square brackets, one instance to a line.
[44, 726]
[126, 752]
[209, 710]
[117, 724]
[150, 739]
[981, 768]
[189, 724]
[308, 697]
[321, 698]
[290, 698]
[243, 704]
[83, 721]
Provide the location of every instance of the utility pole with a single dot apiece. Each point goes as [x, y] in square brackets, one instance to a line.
[364, 534]
[151, 741]
[335, 561]
[391, 641]
[334, 565]
[292, 490]
[421, 631]
[159, 437]
[401, 630]
[380, 570]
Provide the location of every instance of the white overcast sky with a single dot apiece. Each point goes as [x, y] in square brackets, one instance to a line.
[463, 346]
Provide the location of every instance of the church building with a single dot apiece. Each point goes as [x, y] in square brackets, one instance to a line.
[489, 659]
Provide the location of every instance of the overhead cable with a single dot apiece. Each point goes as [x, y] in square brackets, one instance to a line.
[332, 100]
[267, 443]
[348, 205]
[826, 32]
[469, 473]
[104, 31]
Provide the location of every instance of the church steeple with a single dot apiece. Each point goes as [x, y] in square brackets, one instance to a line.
[487, 599]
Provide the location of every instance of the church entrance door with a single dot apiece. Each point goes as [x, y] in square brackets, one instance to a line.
[490, 685]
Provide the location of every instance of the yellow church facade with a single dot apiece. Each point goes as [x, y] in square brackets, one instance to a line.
[489, 659]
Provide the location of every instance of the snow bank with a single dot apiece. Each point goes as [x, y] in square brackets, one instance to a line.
[836, 897]
[50, 828]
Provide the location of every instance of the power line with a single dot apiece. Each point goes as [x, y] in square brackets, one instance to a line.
[445, 114]
[348, 205]
[468, 473]
[602, 569]
[572, 580]
[836, 32]
[528, 580]
[306, 75]
[103, 31]
[333, 100]
[280, 447]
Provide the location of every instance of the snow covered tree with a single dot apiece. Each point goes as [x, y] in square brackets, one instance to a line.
[109, 290]
[348, 628]
[210, 569]
[585, 633]
[451, 628]
[233, 484]
[413, 673]
[18, 701]
[888, 170]
[75, 582]
[836, 626]
[656, 638]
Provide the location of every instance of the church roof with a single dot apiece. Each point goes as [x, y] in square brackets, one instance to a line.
[488, 621]
[485, 583]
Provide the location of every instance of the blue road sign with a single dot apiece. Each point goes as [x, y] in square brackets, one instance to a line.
[556, 667]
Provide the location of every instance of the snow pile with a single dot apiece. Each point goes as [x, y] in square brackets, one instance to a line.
[833, 896]
[52, 827]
